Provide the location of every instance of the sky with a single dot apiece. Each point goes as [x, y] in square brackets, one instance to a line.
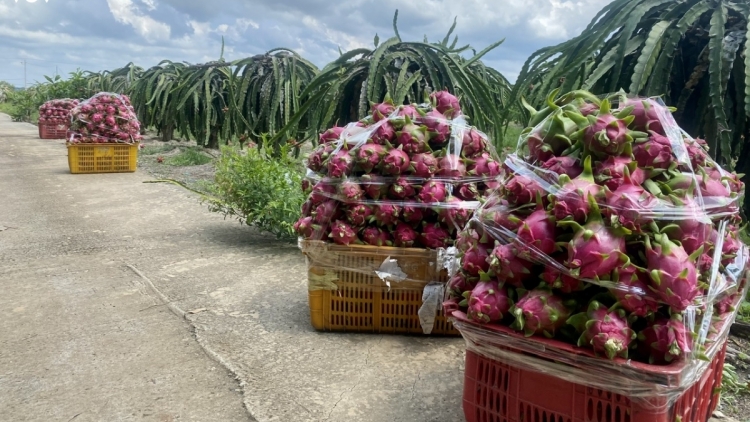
[60, 36]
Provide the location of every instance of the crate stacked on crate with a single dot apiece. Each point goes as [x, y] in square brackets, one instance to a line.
[104, 135]
[600, 281]
[387, 196]
[54, 118]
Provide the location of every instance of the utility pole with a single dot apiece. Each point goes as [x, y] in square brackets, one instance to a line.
[55, 70]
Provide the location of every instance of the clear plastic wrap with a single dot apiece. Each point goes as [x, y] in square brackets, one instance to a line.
[56, 112]
[104, 118]
[610, 250]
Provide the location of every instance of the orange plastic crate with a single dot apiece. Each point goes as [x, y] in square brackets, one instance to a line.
[102, 158]
[361, 301]
[52, 131]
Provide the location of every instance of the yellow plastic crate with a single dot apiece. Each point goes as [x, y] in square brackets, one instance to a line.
[345, 293]
[102, 158]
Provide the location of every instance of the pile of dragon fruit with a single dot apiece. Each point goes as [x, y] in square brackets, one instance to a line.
[56, 112]
[613, 230]
[104, 118]
[404, 176]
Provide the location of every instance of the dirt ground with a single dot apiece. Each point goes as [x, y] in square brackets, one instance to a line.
[738, 349]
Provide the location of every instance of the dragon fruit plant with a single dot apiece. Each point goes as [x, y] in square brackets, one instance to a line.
[606, 232]
[404, 176]
[104, 118]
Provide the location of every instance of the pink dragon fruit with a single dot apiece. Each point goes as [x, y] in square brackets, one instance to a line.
[488, 302]
[382, 110]
[369, 156]
[342, 233]
[632, 292]
[595, 249]
[730, 246]
[326, 212]
[552, 138]
[655, 152]
[571, 201]
[340, 164]
[109, 120]
[304, 227]
[665, 340]
[459, 283]
[331, 135]
[375, 186]
[467, 191]
[395, 162]
[413, 138]
[407, 111]
[629, 205]
[483, 165]
[696, 149]
[323, 191]
[404, 235]
[725, 304]
[567, 165]
[537, 231]
[611, 172]
[386, 214]
[437, 126]
[500, 217]
[97, 118]
[588, 108]
[307, 208]
[475, 260]
[402, 188]
[376, 237]
[454, 213]
[383, 134]
[673, 273]
[434, 236]
[645, 114]
[433, 191]
[424, 165]
[559, 280]
[358, 214]
[522, 190]
[606, 331]
[473, 143]
[446, 103]
[350, 191]
[507, 266]
[451, 166]
[466, 239]
[539, 311]
[412, 214]
[607, 134]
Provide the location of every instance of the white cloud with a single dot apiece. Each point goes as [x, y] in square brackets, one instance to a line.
[124, 11]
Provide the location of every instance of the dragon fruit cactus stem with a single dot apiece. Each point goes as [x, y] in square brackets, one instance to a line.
[664, 341]
[539, 311]
[571, 201]
[673, 273]
[446, 103]
[606, 331]
[488, 302]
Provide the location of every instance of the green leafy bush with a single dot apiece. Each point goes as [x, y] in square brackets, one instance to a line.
[260, 188]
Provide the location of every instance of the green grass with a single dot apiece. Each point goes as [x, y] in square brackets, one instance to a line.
[188, 157]
[6, 108]
[157, 149]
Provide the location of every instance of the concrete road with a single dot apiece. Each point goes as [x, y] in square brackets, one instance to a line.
[130, 301]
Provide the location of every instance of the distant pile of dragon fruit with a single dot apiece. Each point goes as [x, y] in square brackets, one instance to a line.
[405, 176]
[56, 112]
[613, 230]
[105, 118]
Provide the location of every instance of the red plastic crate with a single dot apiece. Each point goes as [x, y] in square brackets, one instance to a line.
[53, 131]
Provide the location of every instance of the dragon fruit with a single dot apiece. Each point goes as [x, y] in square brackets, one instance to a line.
[451, 166]
[538, 231]
[413, 138]
[307, 208]
[358, 214]
[632, 292]
[606, 331]
[412, 214]
[383, 134]
[376, 237]
[559, 280]
[522, 190]
[459, 283]
[331, 135]
[369, 156]
[446, 103]
[322, 191]
[342, 233]
[696, 149]
[595, 249]
[395, 162]
[433, 191]
[454, 213]
[326, 212]
[673, 273]
[375, 186]
[605, 134]
[437, 126]
[611, 172]
[552, 138]
[382, 110]
[654, 152]
[404, 235]
[402, 188]
[567, 165]
[629, 205]
[434, 236]
[340, 164]
[475, 260]
[424, 165]
[350, 191]
[304, 227]
[539, 311]
[467, 191]
[500, 217]
[488, 302]
[407, 111]
[645, 114]
[483, 165]
[665, 340]
[588, 108]
[571, 201]
[725, 304]
[466, 239]
[473, 143]
[386, 214]
[507, 266]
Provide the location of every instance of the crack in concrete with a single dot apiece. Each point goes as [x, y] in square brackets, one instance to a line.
[359, 378]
